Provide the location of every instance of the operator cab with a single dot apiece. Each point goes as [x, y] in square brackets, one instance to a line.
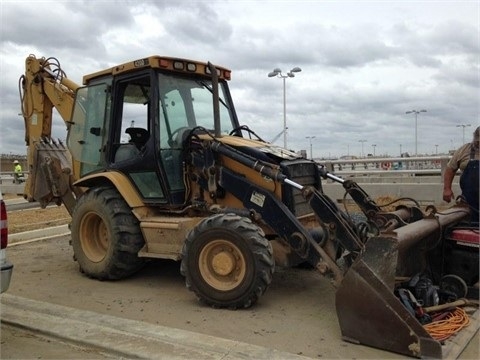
[135, 121]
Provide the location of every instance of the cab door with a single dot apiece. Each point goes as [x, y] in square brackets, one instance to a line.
[133, 139]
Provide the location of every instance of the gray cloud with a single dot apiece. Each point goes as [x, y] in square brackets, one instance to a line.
[69, 26]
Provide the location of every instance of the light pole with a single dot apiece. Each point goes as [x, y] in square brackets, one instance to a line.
[310, 138]
[463, 126]
[362, 141]
[416, 112]
[374, 146]
[278, 73]
[436, 149]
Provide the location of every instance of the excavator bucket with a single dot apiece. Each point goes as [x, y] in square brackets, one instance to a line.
[49, 173]
[368, 311]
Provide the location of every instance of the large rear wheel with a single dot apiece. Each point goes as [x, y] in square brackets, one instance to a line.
[106, 236]
[227, 262]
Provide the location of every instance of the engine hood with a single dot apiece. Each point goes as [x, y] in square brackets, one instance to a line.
[250, 146]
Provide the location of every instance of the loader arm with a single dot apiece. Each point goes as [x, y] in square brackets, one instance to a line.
[375, 215]
[44, 86]
[263, 204]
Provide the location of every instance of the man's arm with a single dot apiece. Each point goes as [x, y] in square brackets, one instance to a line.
[448, 176]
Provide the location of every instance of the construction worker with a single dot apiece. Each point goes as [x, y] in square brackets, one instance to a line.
[466, 158]
[17, 172]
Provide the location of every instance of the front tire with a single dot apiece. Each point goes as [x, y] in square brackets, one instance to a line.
[106, 236]
[227, 261]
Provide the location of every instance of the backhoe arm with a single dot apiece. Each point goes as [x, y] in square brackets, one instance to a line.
[44, 86]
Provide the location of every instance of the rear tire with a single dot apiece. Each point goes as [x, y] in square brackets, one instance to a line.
[227, 261]
[106, 236]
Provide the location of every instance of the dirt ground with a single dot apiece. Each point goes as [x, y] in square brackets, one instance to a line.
[32, 219]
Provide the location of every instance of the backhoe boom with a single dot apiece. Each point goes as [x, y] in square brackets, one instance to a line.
[45, 86]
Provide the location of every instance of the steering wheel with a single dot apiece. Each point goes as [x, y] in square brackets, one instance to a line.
[174, 138]
[247, 129]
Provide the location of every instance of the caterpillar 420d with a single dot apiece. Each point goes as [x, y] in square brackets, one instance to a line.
[156, 165]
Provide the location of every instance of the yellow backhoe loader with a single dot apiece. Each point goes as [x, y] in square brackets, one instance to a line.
[156, 165]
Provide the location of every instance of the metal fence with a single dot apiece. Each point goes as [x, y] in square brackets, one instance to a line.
[424, 165]
[419, 178]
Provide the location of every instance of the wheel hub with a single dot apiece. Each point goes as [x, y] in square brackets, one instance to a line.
[94, 237]
[223, 263]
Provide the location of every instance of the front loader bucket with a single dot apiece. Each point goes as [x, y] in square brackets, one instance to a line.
[368, 311]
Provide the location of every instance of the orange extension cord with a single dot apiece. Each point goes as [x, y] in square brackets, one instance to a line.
[441, 330]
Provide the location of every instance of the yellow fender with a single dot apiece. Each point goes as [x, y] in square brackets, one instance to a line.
[120, 181]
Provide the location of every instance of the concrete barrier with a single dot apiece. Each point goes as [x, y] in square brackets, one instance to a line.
[40, 234]
[11, 188]
[423, 193]
[126, 338]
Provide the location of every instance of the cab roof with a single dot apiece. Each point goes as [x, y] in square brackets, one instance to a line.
[177, 65]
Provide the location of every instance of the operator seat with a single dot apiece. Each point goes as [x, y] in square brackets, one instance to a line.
[138, 136]
[126, 152]
[130, 150]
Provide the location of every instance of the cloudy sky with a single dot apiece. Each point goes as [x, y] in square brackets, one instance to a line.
[364, 63]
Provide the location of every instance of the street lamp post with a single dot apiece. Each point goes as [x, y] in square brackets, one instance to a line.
[278, 73]
[310, 138]
[374, 146]
[463, 126]
[362, 141]
[416, 112]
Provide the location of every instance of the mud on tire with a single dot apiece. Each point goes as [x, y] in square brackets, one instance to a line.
[106, 236]
[227, 261]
